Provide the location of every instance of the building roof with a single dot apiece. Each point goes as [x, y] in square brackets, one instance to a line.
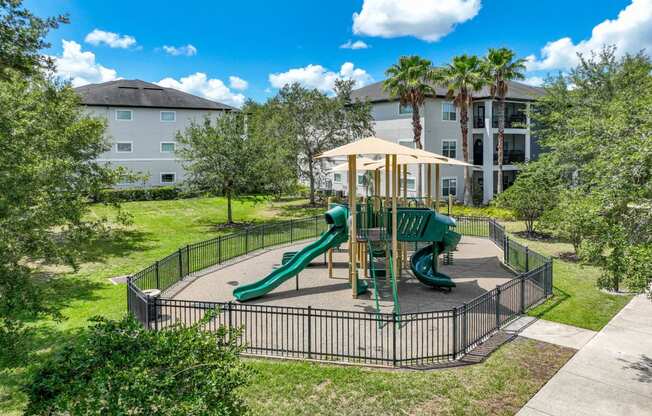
[137, 93]
[516, 91]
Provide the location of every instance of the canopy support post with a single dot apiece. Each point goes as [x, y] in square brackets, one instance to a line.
[353, 232]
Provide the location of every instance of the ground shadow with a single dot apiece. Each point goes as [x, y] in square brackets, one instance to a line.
[288, 294]
[115, 243]
[559, 297]
[643, 366]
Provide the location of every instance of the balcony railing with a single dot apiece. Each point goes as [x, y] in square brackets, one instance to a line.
[518, 121]
[510, 157]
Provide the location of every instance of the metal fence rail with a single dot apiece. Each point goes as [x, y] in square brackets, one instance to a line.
[332, 335]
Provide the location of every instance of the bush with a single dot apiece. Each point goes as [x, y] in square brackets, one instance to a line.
[533, 193]
[576, 218]
[142, 194]
[118, 367]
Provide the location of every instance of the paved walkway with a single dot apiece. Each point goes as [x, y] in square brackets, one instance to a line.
[550, 332]
[611, 375]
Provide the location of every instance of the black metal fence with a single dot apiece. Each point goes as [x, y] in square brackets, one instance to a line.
[359, 337]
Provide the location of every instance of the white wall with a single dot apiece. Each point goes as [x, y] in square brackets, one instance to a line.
[146, 131]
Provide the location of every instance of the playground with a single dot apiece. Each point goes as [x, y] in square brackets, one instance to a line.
[476, 268]
[380, 280]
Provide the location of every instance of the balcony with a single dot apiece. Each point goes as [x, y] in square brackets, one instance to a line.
[513, 151]
[512, 121]
[510, 157]
[515, 117]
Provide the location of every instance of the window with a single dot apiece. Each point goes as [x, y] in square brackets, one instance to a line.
[167, 178]
[407, 143]
[337, 177]
[411, 184]
[361, 180]
[168, 147]
[449, 187]
[168, 116]
[449, 148]
[448, 111]
[404, 108]
[124, 115]
[124, 147]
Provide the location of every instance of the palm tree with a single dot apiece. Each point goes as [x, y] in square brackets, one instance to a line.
[461, 78]
[500, 67]
[408, 80]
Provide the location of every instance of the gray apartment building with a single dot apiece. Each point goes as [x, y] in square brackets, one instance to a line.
[142, 122]
[441, 134]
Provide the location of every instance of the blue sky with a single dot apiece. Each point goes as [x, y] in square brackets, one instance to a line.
[249, 49]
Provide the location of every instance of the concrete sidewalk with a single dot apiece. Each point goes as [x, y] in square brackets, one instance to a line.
[611, 375]
[550, 332]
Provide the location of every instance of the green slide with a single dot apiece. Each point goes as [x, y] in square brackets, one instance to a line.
[424, 261]
[336, 235]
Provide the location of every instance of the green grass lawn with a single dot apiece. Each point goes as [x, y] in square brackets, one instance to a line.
[160, 227]
[499, 386]
[576, 299]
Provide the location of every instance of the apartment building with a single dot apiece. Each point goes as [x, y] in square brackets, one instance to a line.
[442, 134]
[142, 123]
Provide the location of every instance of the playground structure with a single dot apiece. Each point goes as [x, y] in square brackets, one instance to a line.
[495, 278]
[377, 232]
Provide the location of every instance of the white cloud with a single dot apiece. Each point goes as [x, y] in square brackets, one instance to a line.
[358, 44]
[114, 40]
[199, 84]
[80, 67]
[316, 76]
[631, 31]
[535, 81]
[429, 20]
[238, 83]
[186, 50]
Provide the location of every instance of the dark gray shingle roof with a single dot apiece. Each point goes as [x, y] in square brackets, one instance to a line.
[516, 91]
[136, 93]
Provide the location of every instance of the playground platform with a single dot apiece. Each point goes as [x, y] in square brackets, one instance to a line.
[476, 269]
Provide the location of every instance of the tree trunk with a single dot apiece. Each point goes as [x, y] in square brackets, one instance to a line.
[229, 209]
[464, 125]
[311, 179]
[416, 128]
[501, 143]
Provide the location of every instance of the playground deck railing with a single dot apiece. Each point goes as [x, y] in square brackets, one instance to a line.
[370, 338]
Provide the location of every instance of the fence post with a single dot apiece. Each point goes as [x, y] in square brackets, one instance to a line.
[188, 258]
[497, 307]
[523, 293]
[394, 362]
[147, 312]
[316, 227]
[527, 259]
[506, 250]
[180, 265]
[158, 283]
[247, 240]
[229, 305]
[291, 231]
[262, 237]
[464, 331]
[455, 328]
[219, 250]
[309, 332]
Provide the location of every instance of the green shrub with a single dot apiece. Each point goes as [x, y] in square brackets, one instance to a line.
[142, 194]
[118, 367]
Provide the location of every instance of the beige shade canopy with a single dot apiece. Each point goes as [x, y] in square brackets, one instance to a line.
[403, 160]
[372, 146]
[362, 163]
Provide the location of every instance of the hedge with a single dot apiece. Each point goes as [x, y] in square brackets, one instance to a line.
[142, 194]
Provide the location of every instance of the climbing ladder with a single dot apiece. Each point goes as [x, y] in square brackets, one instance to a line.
[375, 274]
